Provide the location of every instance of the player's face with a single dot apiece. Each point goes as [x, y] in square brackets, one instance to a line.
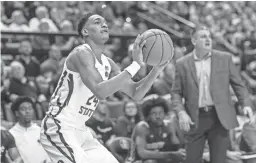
[131, 109]
[25, 112]
[203, 40]
[97, 29]
[157, 115]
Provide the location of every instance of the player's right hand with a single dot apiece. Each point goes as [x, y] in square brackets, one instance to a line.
[137, 50]
[185, 121]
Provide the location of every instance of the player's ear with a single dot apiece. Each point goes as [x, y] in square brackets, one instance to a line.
[85, 32]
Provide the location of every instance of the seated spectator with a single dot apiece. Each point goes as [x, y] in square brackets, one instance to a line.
[163, 84]
[125, 124]
[5, 99]
[101, 124]
[251, 72]
[4, 19]
[8, 144]
[30, 63]
[42, 12]
[6, 114]
[236, 133]
[66, 43]
[142, 27]
[248, 142]
[249, 76]
[26, 133]
[18, 22]
[153, 139]
[42, 42]
[52, 63]
[21, 85]
[58, 12]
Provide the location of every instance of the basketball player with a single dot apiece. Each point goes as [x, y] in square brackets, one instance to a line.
[85, 81]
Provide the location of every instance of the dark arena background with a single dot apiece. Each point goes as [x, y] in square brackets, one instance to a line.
[36, 38]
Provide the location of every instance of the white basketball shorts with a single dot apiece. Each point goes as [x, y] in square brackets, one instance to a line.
[65, 144]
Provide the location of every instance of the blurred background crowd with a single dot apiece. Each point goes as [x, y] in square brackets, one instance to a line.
[37, 36]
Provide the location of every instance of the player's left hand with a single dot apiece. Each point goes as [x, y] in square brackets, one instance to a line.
[248, 111]
[137, 50]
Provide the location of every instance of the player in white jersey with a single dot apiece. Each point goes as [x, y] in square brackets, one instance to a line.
[85, 81]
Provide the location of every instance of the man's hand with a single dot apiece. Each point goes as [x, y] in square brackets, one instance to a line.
[137, 50]
[248, 111]
[206, 156]
[179, 155]
[184, 121]
[234, 155]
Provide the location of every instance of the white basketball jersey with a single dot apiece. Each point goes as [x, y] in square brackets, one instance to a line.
[72, 102]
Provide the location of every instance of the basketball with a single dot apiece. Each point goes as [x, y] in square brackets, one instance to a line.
[158, 48]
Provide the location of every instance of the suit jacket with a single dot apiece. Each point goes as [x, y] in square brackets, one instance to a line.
[223, 74]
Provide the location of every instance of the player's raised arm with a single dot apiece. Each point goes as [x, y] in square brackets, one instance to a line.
[84, 63]
[137, 90]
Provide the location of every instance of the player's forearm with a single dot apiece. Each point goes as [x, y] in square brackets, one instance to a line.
[145, 84]
[109, 87]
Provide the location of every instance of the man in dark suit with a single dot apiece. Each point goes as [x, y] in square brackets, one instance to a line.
[203, 78]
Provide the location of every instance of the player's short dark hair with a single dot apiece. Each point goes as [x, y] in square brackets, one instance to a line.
[198, 28]
[19, 101]
[82, 22]
[149, 104]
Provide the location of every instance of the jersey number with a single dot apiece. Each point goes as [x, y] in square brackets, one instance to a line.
[91, 100]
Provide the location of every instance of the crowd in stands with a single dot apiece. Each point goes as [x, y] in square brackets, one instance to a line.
[133, 131]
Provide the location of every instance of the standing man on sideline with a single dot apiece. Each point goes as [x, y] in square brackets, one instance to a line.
[203, 78]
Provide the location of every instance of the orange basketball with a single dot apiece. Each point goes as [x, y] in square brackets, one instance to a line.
[158, 48]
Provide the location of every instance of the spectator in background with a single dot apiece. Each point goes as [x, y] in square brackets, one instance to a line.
[8, 144]
[58, 12]
[236, 135]
[42, 42]
[41, 13]
[249, 76]
[101, 124]
[155, 141]
[248, 142]
[163, 84]
[49, 71]
[19, 22]
[66, 43]
[30, 63]
[125, 124]
[142, 27]
[4, 20]
[4, 86]
[20, 85]
[26, 133]
[6, 113]
[52, 63]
